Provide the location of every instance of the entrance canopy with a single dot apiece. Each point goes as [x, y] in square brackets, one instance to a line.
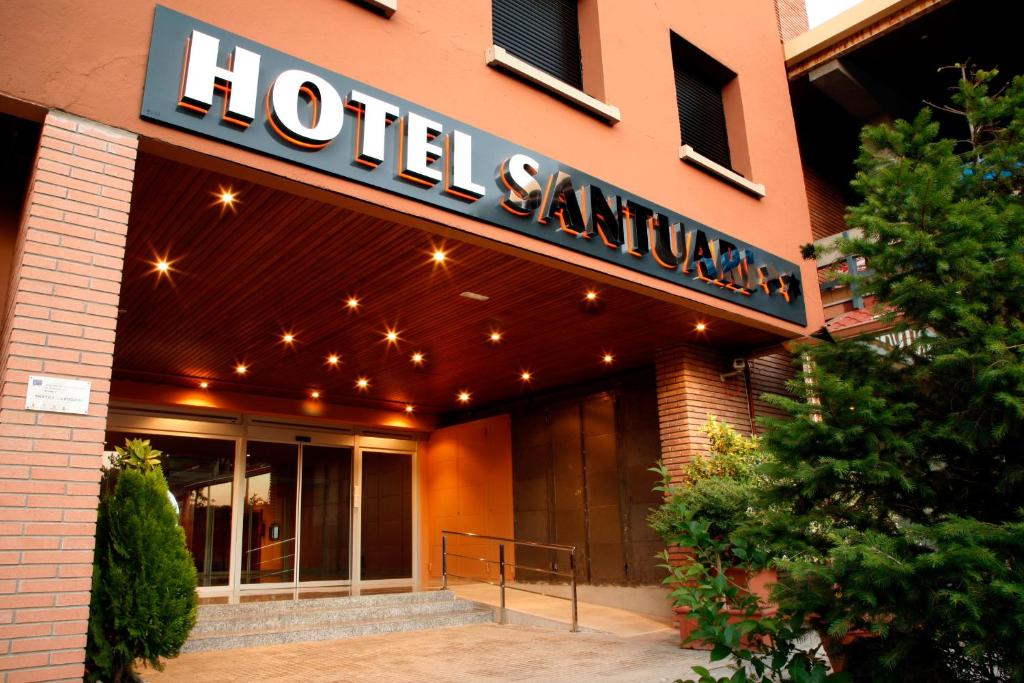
[234, 286]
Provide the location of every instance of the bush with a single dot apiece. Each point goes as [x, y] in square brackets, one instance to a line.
[144, 580]
[719, 488]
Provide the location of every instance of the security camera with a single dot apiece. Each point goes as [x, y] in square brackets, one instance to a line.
[739, 363]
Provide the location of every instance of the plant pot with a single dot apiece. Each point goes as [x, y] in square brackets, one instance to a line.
[835, 648]
[688, 625]
[758, 584]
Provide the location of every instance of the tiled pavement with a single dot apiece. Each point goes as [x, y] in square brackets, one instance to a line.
[486, 653]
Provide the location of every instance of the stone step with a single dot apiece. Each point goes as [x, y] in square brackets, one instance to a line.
[299, 615]
[258, 636]
[273, 606]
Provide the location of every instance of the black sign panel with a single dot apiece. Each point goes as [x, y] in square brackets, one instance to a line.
[220, 85]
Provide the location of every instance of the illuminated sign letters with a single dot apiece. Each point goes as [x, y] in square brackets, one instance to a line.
[220, 85]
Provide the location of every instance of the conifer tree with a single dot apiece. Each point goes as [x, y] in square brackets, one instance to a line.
[144, 580]
[896, 504]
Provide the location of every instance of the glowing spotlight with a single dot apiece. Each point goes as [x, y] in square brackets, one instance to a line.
[288, 338]
[352, 303]
[204, 385]
[226, 197]
[526, 375]
[417, 358]
[700, 327]
[314, 394]
[391, 336]
[162, 266]
[409, 409]
[241, 369]
[439, 256]
[333, 359]
[362, 384]
[607, 359]
[494, 337]
[591, 296]
[464, 397]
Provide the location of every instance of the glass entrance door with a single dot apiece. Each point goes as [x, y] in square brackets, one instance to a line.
[386, 517]
[325, 538]
[297, 513]
[269, 513]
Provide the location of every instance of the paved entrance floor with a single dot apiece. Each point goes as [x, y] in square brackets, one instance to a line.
[485, 653]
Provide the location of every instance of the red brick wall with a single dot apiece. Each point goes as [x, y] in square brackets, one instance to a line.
[60, 320]
[826, 203]
[768, 375]
[689, 390]
[792, 16]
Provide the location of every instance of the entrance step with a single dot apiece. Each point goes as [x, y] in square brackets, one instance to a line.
[255, 624]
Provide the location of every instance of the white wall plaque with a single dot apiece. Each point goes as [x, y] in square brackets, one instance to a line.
[58, 395]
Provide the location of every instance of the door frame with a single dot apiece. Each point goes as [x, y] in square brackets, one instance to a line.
[241, 428]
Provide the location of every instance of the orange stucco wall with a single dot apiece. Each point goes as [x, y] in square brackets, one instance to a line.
[466, 484]
[90, 59]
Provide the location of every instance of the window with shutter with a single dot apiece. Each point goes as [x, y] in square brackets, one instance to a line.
[544, 33]
[699, 81]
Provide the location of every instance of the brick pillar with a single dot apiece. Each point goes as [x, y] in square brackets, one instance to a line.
[60, 320]
[792, 18]
[690, 389]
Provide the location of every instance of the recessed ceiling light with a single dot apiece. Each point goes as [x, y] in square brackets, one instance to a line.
[439, 256]
[417, 358]
[314, 394]
[362, 383]
[391, 336]
[162, 266]
[591, 295]
[409, 408]
[526, 375]
[495, 336]
[333, 359]
[700, 327]
[607, 359]
[464, 397]
[475, 296]
[204, 385]
[352, 303]
[226, 197]
[288, 338]
[241, 369]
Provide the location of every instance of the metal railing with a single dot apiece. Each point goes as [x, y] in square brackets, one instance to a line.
[571, 574]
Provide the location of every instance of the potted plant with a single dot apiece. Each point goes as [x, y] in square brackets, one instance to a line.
[712, 497]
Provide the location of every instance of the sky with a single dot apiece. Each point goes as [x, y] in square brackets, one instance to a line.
[823, 10]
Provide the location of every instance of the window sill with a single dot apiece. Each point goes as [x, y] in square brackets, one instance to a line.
[692, 156]
[499, 58]
[385, 7]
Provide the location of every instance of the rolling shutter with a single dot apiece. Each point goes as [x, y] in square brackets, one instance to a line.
[699, 81]
[544, 33]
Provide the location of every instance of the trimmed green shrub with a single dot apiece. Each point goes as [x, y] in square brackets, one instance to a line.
[144, 580]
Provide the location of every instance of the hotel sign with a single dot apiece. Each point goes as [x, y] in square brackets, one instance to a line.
[214, 83]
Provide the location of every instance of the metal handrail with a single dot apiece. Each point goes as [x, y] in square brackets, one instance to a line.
[501, 541]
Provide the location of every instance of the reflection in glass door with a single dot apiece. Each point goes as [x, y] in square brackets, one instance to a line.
[325, 535]
[199, 473]
[386, 526]
[268, 521]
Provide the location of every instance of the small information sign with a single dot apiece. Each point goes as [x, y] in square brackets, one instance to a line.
[58, 395]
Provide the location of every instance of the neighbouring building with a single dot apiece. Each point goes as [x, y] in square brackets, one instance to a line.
[368, 271]
[879, 61]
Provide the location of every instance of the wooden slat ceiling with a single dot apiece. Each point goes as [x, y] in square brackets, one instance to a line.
[282, 263]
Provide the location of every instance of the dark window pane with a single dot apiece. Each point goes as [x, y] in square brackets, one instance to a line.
[326, 513]
[544, 33]
[386, 529]
[699, 81]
